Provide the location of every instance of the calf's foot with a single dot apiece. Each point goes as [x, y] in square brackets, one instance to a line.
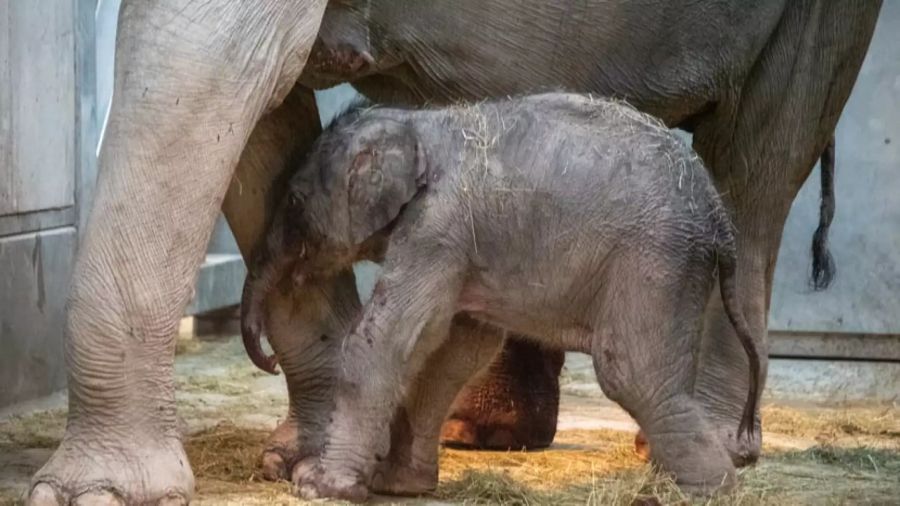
[143, 470]
[743, 451]
[697, 460]
[721, 388]
[513, 406]
[392, 478]
[411, 466]
[312, 481]
[304, 325]
[282, 451]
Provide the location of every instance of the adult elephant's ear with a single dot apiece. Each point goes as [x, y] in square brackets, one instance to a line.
[383, 178]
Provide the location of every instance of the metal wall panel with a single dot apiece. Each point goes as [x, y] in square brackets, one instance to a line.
[43, 99]
[34, 281]
[87, 127]
[37, 105]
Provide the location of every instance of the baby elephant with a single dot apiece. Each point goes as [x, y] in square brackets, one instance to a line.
[577, 221]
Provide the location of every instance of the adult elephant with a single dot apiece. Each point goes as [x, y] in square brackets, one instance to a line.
[761, 88]
[206, 109]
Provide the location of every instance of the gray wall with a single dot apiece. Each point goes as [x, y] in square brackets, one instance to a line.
[865, 236]
[41, 164]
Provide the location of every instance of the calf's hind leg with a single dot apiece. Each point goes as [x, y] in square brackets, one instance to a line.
[642, 354]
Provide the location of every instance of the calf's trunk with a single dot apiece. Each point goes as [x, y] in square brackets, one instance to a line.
[269, 267]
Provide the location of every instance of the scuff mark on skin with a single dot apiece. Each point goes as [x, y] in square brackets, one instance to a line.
[342, 60]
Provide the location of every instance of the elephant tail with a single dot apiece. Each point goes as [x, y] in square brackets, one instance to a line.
[823, 268]
[726, 255]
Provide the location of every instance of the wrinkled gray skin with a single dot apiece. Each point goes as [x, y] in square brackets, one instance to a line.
[760, 84]
[205, 112]
[578, 220]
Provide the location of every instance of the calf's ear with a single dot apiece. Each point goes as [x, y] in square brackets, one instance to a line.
[381, 181]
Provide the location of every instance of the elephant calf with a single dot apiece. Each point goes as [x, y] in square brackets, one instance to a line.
[578, 221]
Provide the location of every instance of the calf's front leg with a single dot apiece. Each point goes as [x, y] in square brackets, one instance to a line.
[411, 467]
[303, 326]
[406, 320]
[307, 327]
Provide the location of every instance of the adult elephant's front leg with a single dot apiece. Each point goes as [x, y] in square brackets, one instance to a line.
[514, 405]
[191, 80]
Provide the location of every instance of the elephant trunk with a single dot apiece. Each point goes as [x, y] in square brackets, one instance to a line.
[268, 269]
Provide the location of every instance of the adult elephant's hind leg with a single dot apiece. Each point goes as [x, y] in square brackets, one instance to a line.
[187, 95]
[514, 405]
[760, 151]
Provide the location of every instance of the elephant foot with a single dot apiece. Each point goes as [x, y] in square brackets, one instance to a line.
[312, 481]
[723, 417]
[282, 452]
[513, 406]
[411, 466]
[695, 458]
[404, 479]
[642, 446]
[705, 491]
[470, 435]
[148, 470]
[744, 450]
[275, 463]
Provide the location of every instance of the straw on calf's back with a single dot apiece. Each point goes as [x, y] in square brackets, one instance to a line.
[481, 126]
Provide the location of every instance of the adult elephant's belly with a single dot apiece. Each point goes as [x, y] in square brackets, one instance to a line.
[672, 60]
